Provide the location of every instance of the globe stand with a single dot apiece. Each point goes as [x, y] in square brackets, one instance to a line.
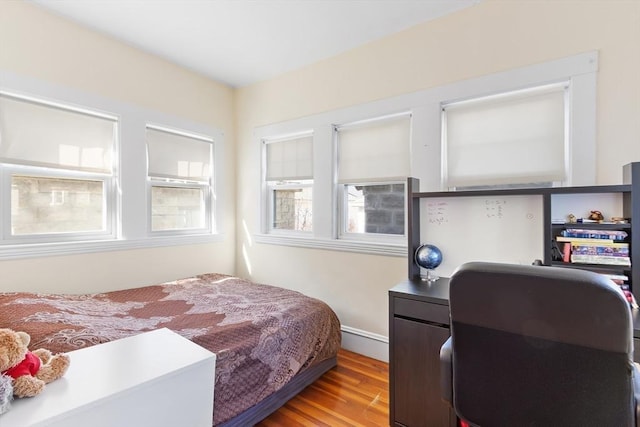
[429, 277]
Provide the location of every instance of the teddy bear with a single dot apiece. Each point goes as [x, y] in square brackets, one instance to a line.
[30, 371]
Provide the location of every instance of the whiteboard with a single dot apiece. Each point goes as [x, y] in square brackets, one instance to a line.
[496, 229]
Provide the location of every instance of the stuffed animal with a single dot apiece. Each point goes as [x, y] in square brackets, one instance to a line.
[596, 216]
[30, 371]
[6, 393]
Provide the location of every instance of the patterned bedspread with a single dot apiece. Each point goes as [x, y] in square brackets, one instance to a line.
[262, 335]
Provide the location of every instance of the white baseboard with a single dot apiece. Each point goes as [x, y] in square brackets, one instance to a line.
[366, 343]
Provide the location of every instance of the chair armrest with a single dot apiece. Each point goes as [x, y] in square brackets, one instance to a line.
[446, 372]
[636, 391]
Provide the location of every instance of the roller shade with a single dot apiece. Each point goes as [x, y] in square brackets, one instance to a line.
[37, 134]
[375, 150]
[176, 156]
[290, 159]
[518, 138]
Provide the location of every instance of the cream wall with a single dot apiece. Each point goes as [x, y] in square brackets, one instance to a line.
[40, 45]
[489, 37]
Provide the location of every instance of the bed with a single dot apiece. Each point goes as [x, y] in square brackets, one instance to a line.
[270, 342]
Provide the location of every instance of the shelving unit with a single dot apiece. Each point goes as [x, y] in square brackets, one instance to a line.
[419, 312]
[630, 192]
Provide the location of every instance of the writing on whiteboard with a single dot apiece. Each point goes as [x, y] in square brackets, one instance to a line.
[495, 208]
[437, 212]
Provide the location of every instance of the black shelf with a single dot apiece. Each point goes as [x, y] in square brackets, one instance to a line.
[593, 225]
[593, 267]
[598, 189]
[630, 191]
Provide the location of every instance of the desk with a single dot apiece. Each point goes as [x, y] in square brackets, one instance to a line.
[418, 326]
[153, 379]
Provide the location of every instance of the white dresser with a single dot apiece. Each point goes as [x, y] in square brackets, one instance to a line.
[155, 379]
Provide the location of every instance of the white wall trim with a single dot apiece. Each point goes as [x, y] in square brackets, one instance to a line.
[36, 250]
[366, 343]
[388, 249]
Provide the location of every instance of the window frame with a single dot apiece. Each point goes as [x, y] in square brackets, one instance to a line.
[207, 214]
[272, 187]
[207, 187]
[343, 214]
[426, 150]
[341, 219]
[267, 210]
[109, 199]
[109, 181]
[129, 214]
[565, 86]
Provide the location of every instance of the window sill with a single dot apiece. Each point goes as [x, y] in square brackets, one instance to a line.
[36, 250]
[372, 248]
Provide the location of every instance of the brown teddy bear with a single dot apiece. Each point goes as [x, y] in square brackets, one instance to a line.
[30, 370]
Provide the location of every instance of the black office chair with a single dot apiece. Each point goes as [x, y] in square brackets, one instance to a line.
[539, 346]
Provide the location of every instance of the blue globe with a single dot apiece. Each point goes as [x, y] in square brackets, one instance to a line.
[428, 256]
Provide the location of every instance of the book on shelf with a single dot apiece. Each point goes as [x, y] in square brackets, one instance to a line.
[583, 240]
[614, 235]
[614, 249]
[601, 259]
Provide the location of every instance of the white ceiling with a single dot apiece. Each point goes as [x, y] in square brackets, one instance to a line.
[239, 42]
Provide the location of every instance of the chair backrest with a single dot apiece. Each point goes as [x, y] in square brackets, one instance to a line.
[540, 346]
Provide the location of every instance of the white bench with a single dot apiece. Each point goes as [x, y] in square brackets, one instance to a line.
[155, 379]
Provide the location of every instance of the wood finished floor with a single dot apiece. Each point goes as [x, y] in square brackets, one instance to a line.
[354, 393]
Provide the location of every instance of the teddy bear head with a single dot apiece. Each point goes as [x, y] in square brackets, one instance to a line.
[13, 347]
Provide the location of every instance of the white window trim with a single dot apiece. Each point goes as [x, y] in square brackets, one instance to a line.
[131, 214]
[580, 70]
[565, 85]
[375, 238]
[267, 187]
[110, 195]
[208, 220]
[207, 187]
[269, 199]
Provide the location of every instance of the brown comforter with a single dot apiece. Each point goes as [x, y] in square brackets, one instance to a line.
[262, 335]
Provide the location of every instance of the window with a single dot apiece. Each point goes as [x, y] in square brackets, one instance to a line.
[360, 165]
[373, 163]
[179, 181]
[514, 138]
[289, 183]
[57, 166]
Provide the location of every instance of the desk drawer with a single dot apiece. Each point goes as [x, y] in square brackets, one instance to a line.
[420, 310]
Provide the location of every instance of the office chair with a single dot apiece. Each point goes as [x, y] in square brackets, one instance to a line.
[539, 346]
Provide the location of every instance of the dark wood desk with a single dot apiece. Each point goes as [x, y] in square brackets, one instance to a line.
[418, 326]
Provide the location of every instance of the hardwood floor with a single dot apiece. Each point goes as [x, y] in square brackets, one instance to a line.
[354, 393]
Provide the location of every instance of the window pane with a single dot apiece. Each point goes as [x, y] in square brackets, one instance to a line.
[292, 209]
[177, 208]
[375, 209]
[53, 205]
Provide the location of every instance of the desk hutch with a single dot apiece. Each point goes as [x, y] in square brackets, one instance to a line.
[419, 311]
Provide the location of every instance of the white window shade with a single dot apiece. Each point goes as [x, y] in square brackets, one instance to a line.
[514, 139]
[176, 156]
[37, 134]
[375, 150]
[290, 159]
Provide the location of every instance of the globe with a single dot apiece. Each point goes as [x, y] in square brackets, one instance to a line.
[428, 257]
